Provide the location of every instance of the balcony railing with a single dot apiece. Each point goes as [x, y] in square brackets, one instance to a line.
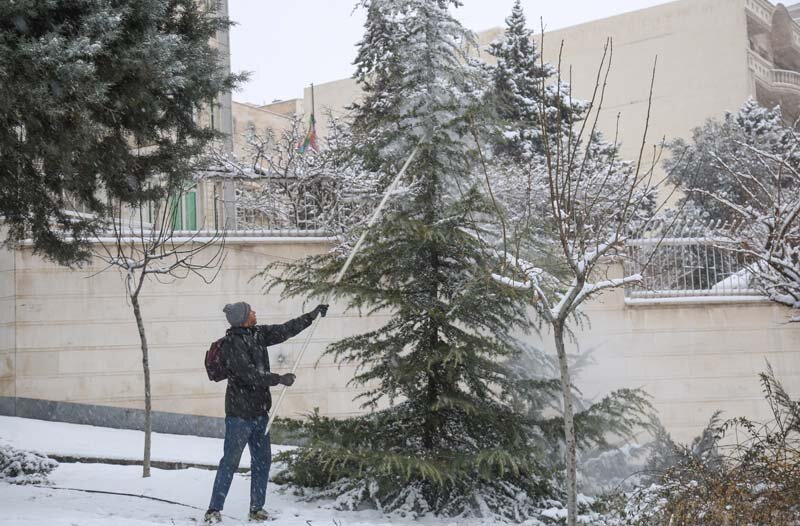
[762, 9]
[764, 70]
[787, 78]
[687, 266]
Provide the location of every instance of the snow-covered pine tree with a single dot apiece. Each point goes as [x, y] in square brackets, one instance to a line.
[96, 100]
[719, 151]
[519, 96]
[447, 443]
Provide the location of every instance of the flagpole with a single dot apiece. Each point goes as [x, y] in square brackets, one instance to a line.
[311, 136]
[313, 109]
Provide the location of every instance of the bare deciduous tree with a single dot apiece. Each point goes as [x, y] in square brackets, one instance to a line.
[573, 209]
[284, 188]
[158, 253]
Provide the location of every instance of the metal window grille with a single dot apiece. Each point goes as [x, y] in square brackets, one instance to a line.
[687, 261]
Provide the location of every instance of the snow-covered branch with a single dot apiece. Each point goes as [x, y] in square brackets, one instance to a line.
[329, 190]
[140, 250]
[751, 187]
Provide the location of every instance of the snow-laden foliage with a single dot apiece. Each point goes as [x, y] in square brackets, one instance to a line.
[493, 483]
[528, 93]
[722, 162]
[565, 219]
[24, 467]
[611, 470]
[96, 99]
[565, 214]
[744, 172]
[419, 86]
[465, 434]
[737, 472]
[281, 188]
[381, 460]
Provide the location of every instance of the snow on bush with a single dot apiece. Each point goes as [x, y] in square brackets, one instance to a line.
[411, 502]
[24, 467]
[738, 472]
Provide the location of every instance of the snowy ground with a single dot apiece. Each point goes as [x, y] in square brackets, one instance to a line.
[58, 438]
[49, 506]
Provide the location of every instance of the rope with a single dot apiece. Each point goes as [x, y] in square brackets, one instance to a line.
[157, 499]
[374, 219]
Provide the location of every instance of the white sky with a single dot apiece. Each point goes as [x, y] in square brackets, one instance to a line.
[288, 44]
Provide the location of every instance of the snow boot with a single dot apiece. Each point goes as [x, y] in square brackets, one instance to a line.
[212, 517]
[260, 515]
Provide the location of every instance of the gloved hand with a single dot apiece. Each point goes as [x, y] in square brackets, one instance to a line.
[320, 310]
[287, 379]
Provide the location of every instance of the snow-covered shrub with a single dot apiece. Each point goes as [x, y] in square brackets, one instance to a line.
[611, 470]
[376, 462]
[738, 472]
[24, 467]
[282, 188]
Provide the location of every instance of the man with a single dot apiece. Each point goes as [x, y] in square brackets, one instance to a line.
[248, 401]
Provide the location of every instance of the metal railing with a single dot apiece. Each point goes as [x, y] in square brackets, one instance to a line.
[686, 260]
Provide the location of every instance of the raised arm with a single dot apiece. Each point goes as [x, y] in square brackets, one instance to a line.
[275, 334]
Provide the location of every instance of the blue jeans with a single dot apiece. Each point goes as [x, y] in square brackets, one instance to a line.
[238, 432]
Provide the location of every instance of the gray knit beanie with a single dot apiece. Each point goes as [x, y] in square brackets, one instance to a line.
[237, 313]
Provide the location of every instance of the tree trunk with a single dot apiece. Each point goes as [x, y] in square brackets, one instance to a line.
[432, 423]
[569, 427]
[146, 369]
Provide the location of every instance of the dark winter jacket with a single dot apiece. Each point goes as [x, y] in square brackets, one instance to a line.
[244, 352]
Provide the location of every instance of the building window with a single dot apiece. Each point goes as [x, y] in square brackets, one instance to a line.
[184, 211]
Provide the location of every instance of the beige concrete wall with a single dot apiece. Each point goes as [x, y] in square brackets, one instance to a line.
[7, 320]
[692, 358]
[76, 341]
[702, 70]
[285, 107]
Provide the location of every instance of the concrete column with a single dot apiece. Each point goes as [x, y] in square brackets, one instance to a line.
[226, 123]
[8, 328]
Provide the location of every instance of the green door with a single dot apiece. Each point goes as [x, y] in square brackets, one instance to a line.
[177, 217]
[184, 212]
[190, 211]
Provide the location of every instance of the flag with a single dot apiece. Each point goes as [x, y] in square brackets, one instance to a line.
[311, 137]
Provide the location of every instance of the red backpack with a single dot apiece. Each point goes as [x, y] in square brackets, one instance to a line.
[215, 365]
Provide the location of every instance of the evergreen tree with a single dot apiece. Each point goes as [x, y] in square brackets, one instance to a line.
[449, 443]
[528, 98]
[711, 165]
[97, 98]
[465, 430]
